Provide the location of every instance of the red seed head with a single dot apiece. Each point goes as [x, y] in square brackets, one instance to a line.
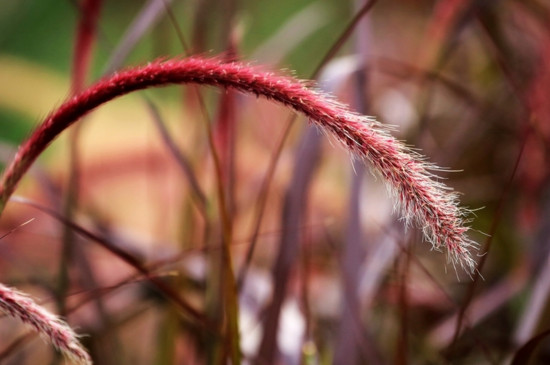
[50, 327]
[422, 200]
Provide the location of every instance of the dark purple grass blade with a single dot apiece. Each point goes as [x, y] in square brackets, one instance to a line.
[480, 308]
[524, 355]
[295, 202]
[353, 342]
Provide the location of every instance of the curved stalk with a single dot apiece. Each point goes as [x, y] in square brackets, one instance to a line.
[423, 200]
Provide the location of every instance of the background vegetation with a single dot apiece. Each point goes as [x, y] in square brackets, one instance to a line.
[333, 277]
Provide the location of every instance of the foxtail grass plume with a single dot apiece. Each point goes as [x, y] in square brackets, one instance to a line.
[422, 200]
[50, 327]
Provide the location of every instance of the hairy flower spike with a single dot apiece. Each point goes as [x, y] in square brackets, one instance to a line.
[422, 199]
[50, 327]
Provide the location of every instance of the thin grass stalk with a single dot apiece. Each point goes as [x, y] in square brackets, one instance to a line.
[198, 323]
[229, 291]
[224, 172]
[344, 36]
[402, 355]
[506, 192]
[261, 201]
[128, 259]
[443, 29]
[148, 16]
[197, 195]
[224, 135]
[83, 50]
[165, 349]
[201, 28]
[484, 306]
[230, 296]
[308, 348]
[142, 271]
[534, 183]
[85, 38]
[173, 20]
[228, 281]
[407, 71]
[499, 43]
[447, 20]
